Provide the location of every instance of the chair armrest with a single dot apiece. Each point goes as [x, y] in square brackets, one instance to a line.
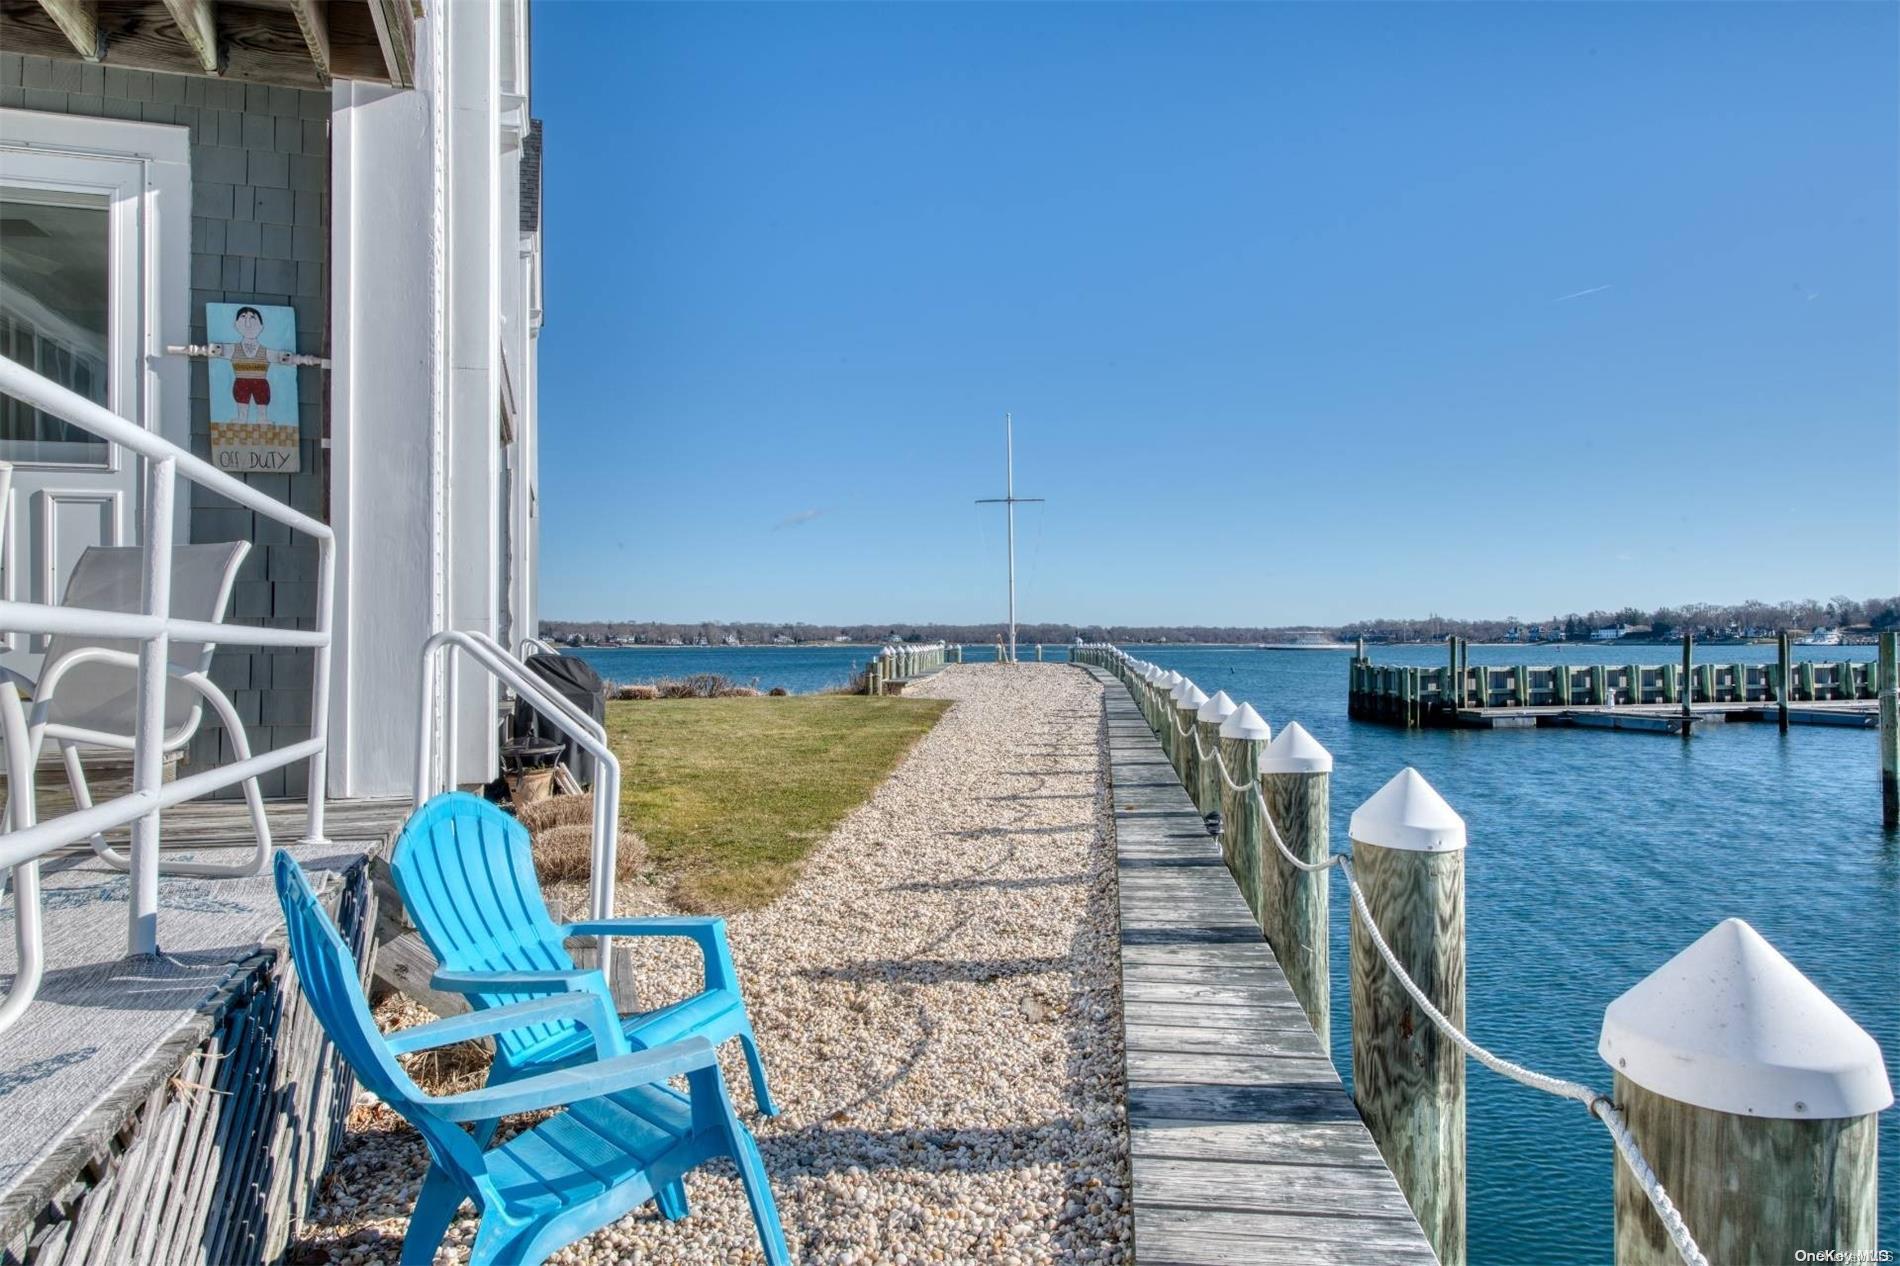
[573, 980]
[572, 1085]
[587, 1009]
[706, 931]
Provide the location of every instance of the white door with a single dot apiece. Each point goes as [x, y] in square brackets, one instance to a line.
[94, 274]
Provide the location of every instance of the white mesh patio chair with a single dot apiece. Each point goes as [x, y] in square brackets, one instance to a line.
[86, 696]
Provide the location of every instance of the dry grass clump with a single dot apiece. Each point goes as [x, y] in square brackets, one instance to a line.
[562, 829]
[555, 811]
[695, 686]
[565, 854]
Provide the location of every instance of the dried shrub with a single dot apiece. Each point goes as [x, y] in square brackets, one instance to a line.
[778, 692]
[556, 811]
[565, 854]
[695, 686]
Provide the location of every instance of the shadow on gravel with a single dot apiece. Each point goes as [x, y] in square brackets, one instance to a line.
[932, 971]
[1003, 885]
[995, 832]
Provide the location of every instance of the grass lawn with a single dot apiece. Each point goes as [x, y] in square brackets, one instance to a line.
[730, 794]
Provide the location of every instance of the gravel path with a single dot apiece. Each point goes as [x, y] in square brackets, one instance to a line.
[937, 1002]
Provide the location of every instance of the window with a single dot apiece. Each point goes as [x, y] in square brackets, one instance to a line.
[55, 299]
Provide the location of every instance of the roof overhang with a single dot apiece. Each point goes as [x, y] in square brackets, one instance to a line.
[290, 43]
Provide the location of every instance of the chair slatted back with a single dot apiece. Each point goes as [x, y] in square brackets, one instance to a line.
[465, 870]
[327, 974]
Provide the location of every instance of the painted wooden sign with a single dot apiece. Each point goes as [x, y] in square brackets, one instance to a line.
[253, 388]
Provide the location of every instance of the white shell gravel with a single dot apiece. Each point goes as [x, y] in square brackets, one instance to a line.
[937, 1001]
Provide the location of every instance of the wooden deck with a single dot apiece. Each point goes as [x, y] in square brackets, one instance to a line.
[1244, 1145]
[110, 1037]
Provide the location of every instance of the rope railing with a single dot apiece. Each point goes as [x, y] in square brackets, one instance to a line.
[1600, 1105]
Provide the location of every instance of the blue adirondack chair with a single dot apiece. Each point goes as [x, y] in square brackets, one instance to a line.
[625, 1137]
[465, 870]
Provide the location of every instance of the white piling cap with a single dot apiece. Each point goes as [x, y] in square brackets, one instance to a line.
[1218, 708]
[1148, 673]
[1731, 1025]
[1244, 723]
[1294, 751]
[1178, 686]
[1190, 697]
[1404, 814]
[1170, 679]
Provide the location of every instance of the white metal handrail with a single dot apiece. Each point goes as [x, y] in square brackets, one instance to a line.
[31, 960]
[589, 734]
[154, 628]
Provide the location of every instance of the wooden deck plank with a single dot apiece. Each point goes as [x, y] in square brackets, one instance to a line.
[1244, 1145]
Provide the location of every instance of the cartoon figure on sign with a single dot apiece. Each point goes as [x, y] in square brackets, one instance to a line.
[250, 366]
[252, 372]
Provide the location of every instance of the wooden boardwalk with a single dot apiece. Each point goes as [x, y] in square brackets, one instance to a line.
[1244, 1145]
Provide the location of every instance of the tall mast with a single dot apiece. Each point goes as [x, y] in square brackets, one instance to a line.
[1009, 509]
[1008, 501]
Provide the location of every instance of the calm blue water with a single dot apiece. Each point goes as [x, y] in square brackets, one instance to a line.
[800, 669]
[1595, 856]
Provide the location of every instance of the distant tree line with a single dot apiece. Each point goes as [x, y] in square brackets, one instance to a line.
[1742, 619]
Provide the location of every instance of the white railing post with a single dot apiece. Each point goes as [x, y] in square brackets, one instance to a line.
[148, 753]
[319, 768]
[21, 807]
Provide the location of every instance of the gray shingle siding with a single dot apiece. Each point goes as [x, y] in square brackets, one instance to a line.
[260, 162]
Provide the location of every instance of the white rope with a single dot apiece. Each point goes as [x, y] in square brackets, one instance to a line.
[1599, 1105]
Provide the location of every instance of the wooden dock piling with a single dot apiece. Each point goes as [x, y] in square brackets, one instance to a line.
[1296, 774]
[1243, 736]
[1688, 668]
[1889, 686]
[1408, 1077]
[1754, 1099]
[1206, 790]
[1187, 701]
[1170, 683]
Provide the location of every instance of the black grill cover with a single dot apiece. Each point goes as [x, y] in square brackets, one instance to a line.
[575, 680]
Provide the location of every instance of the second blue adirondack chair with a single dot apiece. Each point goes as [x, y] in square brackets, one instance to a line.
[623, 1136]
[465, 870]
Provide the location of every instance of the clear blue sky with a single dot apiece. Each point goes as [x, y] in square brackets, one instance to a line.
[1306, 312]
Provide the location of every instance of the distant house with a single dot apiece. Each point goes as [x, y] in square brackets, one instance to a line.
[1610, 633]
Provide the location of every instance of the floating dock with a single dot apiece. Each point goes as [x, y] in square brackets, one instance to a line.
[1643, 697]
